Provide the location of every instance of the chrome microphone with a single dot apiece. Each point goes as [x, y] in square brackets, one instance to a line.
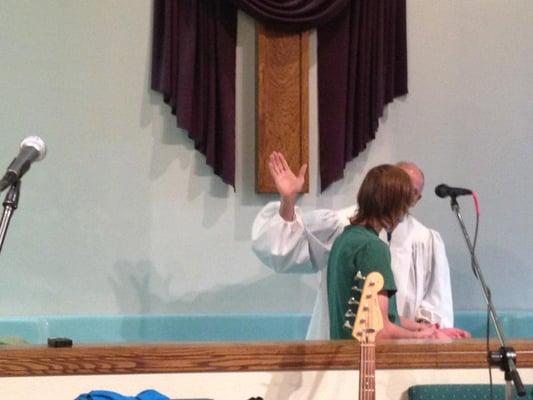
[31, 149]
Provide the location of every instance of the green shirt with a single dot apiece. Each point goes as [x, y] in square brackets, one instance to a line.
[358, 248]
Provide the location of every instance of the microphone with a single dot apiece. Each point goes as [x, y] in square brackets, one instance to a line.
[31, 149]
[443, 191]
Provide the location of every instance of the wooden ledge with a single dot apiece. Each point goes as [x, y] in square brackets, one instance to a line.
[224, 357]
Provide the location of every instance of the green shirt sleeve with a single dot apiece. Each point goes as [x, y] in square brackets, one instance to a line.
[376, 258]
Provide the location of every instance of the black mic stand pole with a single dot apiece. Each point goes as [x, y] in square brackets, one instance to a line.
[505, 357]
[10, 205]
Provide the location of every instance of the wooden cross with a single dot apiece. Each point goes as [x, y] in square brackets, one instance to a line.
[282, 102]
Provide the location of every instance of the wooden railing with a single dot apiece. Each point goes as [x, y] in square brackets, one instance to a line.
[275, 356]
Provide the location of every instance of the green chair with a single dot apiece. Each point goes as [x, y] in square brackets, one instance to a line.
[463, 392]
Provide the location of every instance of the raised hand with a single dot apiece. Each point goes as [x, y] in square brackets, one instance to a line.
[287, 183]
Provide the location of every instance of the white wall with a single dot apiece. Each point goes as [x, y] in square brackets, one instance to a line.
[290, 385]
[124, 217]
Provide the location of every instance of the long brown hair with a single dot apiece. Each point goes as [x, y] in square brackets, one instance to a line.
[384, 197]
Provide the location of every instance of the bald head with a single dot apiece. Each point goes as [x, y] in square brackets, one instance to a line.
[417, 178]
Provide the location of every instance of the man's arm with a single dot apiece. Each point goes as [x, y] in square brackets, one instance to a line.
[302, 245]
[285, 240]
[409, 329]
[393, 331]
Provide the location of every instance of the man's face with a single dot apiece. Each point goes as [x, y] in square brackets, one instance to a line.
[418, 186]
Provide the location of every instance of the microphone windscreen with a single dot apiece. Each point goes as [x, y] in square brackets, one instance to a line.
[442, 190]
[37, 143]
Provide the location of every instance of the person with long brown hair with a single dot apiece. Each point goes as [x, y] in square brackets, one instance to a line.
[384, 199]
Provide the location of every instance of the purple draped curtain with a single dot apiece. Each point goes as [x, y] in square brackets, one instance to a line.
[362, 65]
[293, 15]
[193, 66]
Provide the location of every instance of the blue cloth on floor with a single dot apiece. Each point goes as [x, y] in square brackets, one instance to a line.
[107, 395]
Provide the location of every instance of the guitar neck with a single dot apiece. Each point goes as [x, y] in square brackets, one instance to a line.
[367, 323]
[367, 372]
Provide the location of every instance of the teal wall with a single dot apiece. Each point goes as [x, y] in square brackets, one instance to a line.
[123, 217]
[207, 327]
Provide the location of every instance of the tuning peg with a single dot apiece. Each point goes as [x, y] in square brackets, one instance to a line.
[352, 301]
[347, 325]
[356, 289]
[349, 314]
[359, 276]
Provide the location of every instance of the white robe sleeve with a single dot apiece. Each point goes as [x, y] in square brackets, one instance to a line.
[301, 245]
[437, 304]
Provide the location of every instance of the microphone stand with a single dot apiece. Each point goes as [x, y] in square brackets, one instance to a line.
[505, 357]
[10, 205]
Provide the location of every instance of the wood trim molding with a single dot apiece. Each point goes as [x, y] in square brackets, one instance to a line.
[227, 357]
[282, 101]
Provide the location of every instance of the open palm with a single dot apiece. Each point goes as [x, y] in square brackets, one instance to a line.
[287, 183]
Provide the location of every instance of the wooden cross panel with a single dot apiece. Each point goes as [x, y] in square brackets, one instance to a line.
[282, 102]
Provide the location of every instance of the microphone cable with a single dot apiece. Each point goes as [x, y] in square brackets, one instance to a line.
[476, 230]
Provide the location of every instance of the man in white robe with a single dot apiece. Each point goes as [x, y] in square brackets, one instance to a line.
[287, 240]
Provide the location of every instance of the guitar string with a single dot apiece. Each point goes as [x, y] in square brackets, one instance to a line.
[367, 369]
[367, 378]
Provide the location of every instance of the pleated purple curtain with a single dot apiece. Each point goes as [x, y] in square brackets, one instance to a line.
[193, 66]
[362, 66]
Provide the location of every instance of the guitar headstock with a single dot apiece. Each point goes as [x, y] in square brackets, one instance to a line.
[368, 321]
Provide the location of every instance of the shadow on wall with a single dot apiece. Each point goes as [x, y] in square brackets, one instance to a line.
[140, 288]
[221, 313]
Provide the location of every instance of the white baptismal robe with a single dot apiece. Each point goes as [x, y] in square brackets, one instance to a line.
[418, 259]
